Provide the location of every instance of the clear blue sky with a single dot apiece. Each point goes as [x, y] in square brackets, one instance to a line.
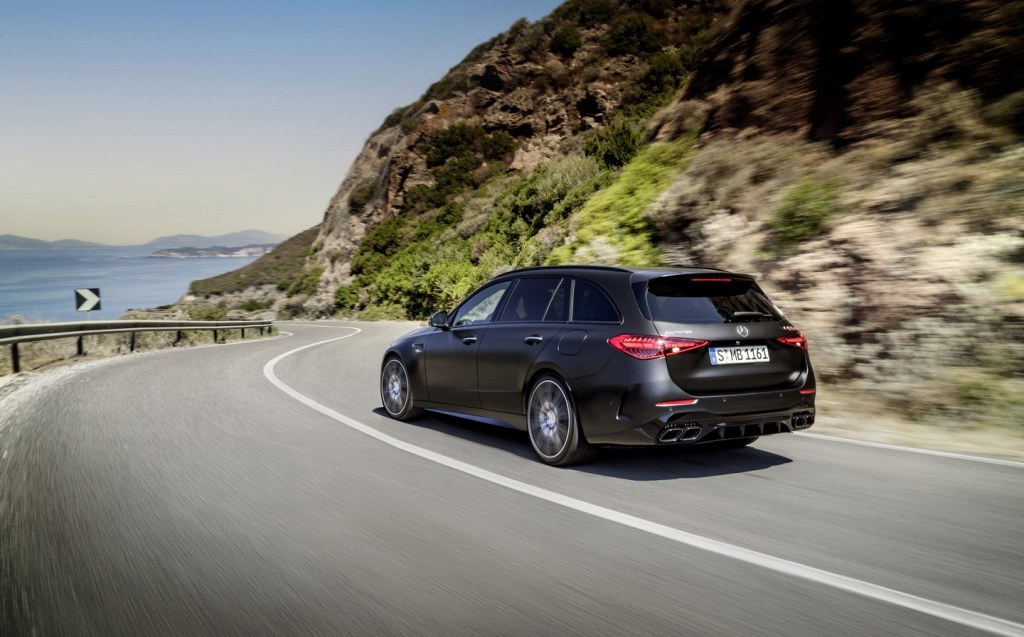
[124, 120]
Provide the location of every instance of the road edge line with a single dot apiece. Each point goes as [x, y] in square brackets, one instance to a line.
[926, 452]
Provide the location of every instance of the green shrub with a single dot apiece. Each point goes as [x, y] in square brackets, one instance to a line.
[346, 298]
[804, 212]
[565, 41]
[693, 23]
[617, 143]
[394, 118]
[454, 82]
[612, 226]
[665, 74]
[378, 244]
[418, 263]
[253, 305]
[307, 282]
[586, 12]
[530, 41]
[454, 155]
[497, 146]
[383, 313]
[633, 34]
[207, 313]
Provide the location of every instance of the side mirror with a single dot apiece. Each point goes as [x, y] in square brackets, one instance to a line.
[440, 319]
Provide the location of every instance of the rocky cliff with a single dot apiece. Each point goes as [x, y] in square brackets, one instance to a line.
[546, 85]
[864, 158]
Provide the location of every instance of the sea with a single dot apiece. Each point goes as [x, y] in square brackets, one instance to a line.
[39, 285]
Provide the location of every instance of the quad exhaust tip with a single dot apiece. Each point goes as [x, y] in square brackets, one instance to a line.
[680, 434]
[802, 421]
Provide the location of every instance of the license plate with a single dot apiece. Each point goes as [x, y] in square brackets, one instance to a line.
[734, 355]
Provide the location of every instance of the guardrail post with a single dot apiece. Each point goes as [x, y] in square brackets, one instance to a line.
[243, 333]
[131, 342]
[15, 361]
[214, 337]
[81, 347]
[177, 337]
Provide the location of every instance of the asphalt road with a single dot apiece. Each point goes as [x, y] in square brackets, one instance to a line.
[258, 489]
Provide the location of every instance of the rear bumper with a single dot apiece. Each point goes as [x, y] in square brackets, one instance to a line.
[697, 428]
[612, 416]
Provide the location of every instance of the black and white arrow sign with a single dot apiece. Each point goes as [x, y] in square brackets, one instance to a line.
[87, 299]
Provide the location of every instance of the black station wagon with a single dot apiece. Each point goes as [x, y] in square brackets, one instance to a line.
[585, 356]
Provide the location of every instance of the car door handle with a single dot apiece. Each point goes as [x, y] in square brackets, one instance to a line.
[533, 340]
[469, 340]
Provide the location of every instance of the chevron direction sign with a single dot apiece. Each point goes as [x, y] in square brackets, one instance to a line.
[87, 299]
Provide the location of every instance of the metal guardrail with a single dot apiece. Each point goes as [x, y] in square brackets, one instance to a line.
[14, 334]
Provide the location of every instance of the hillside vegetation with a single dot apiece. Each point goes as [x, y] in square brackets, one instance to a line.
[864, 159]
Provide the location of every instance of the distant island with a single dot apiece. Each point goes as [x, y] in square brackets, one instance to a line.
[245, 238]
[212, 251]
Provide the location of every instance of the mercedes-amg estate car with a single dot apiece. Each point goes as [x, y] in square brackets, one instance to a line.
[585, 356]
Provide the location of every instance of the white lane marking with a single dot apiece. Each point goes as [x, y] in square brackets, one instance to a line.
[962, 616]
[926, 452]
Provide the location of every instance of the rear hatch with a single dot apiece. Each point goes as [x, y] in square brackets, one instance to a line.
[735, 339]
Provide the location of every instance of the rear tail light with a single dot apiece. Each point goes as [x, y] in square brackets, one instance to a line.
[798, 341]
[646, 347]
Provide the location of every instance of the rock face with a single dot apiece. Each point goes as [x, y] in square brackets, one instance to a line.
[832, 69]
[540, 98]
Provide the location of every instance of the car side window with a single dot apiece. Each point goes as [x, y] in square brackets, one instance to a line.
[480, 307]
[558, 309]
[529, 300]
[591, 304]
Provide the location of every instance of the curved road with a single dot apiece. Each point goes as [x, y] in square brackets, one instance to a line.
[257, 489]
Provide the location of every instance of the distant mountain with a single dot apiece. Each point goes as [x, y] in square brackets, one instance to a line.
[14, 242]
[243, 238]
[178, 241]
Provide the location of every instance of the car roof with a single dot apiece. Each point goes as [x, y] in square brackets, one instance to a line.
[641, 273]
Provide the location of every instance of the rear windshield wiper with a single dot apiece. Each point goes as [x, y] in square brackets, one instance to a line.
[749, 316]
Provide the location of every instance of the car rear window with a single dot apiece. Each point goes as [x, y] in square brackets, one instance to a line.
[686, 299]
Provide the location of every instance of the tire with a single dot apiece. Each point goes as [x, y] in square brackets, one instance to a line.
[553, 426]
[395, 391]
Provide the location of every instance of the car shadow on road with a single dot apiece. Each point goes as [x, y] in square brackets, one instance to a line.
[674, 463]
[627, 463]
[505, 438]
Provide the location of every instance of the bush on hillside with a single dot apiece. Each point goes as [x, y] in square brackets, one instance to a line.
[454, 156]
[804, 212]
[586, 13]
[633, 34]
[613, 226]
[565, 41]
[617, 143]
